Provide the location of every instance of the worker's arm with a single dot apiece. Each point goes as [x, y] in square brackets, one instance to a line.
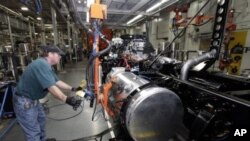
[63, 85]
[73, 101]
[56, 92]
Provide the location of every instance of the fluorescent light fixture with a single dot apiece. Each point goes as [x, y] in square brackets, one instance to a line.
[134, 19]
[24, 8]
[39, 18]
[87, 16]
[89, 2]
[48, 25]
[156, 5]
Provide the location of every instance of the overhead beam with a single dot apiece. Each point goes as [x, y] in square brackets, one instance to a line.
[133, 10]
[110, 11]
[108, 3]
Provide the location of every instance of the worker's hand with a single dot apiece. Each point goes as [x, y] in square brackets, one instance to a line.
[74, 89]
[74, 102]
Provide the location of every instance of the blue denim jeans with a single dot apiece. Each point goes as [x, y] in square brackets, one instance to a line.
[31, 117]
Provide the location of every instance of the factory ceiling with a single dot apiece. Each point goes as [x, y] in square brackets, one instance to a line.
[119, 12]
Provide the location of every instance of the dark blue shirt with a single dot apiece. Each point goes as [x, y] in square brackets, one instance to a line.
[36, 79]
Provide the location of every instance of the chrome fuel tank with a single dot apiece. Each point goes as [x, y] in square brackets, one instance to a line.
[152, 113]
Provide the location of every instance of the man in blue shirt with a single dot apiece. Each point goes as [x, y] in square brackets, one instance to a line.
[36, 81]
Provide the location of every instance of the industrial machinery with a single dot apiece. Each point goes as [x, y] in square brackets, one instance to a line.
[146, 111]
[127, 52]
[169, 100]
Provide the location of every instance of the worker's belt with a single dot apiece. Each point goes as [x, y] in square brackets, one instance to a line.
[29, 103]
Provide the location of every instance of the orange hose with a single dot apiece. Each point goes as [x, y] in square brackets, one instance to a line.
[96, 72]
[106, 89]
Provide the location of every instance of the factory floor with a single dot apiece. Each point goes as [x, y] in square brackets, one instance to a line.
[79, 125]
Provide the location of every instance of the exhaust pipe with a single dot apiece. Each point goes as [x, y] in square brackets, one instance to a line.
[192, 62]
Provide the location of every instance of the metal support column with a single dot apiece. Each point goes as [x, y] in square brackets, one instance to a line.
[69, 39]
[30, 34]
[54, 25]
[10, 32]
[74, 41]
[12, 66]
[34, 31]
[43, 34]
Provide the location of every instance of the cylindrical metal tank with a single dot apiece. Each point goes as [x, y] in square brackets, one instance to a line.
[152, 113]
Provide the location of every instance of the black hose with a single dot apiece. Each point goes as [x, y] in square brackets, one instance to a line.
[61, 119]
[90, 62]
[93, 114]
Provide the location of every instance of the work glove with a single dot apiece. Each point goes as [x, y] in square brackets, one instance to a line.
[74, 101]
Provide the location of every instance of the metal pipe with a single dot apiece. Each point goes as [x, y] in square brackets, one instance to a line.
[192, 62]
[9, 11]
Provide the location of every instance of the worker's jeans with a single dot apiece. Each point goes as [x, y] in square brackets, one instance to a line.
[31, 117]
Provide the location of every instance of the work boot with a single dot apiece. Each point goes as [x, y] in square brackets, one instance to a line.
[50, 139]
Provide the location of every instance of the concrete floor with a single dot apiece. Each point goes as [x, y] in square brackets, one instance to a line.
[73, 128]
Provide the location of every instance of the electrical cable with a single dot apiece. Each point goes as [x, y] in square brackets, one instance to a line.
[176, 37]
[202, 23]
[90, 66]
[93, 114]
[61, 119]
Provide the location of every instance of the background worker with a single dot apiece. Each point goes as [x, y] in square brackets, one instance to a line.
[36, 81]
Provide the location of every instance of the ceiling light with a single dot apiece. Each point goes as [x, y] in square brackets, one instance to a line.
[87, 16]
[134, 19]
[89, 2]
[79, 1]
[156, 5]
[39, 18]
[24, 8]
